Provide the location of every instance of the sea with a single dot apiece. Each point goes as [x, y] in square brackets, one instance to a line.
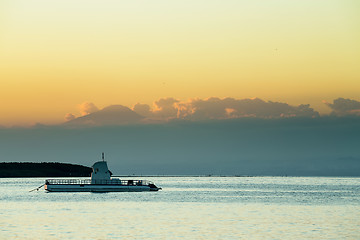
[189, 207]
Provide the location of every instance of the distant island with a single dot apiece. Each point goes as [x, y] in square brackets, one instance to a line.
[44, 169]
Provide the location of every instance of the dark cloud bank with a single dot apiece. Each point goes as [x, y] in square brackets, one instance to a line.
[167, 109]
[212, 136]
[344, 107]
[300, 146]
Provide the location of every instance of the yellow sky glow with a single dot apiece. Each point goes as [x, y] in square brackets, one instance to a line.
[57, 54]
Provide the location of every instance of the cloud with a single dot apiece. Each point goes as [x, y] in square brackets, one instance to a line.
[216, 108]
[166, 108]
[142, 109]
[109, 116]
[342, 106]
[69, 117]
[87, 108]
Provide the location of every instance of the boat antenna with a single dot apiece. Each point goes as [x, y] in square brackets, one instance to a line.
[103, 158]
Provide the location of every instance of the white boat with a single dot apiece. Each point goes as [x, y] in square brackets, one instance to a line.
[101, 181]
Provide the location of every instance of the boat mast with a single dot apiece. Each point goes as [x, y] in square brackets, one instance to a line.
[103, 158]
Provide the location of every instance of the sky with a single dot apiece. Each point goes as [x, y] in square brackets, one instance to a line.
[57, 55]
[229, 87]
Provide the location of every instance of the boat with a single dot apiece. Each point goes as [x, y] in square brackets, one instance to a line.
[100, 181]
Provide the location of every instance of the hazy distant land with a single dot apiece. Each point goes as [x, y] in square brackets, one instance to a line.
[44, 169]
[322, 146]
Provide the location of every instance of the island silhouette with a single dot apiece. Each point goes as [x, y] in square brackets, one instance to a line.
[44, 169]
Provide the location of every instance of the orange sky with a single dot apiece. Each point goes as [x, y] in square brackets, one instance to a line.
[55, 55]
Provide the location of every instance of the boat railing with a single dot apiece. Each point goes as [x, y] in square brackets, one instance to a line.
[97, 181]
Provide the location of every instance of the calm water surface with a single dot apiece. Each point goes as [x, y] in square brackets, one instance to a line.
[187, 208]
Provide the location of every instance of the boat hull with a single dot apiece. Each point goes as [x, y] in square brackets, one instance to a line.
[97, 188]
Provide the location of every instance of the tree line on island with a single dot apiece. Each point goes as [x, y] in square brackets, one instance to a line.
[44, 169]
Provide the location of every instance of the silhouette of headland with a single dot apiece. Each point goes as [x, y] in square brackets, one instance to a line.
[44, 169]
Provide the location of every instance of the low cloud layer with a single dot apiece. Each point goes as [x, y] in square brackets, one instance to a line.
[69, 117]
[342, 106]
[87, 108]
[216, 108]
[109, 116]
[142, 109]
[166, 109]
